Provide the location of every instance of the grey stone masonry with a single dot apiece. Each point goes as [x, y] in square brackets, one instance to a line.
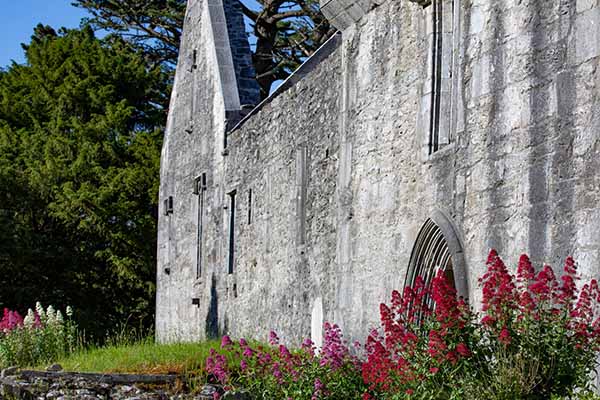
[343, 13]
[311, 212]
[248, 88]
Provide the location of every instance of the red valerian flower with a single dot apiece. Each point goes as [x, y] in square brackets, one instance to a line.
[463, 350]
[504, 336]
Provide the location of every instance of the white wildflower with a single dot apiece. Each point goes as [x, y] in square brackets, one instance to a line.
[40, 311]
[51, 315]
[59, 317]
[69, 312]
[29, 320]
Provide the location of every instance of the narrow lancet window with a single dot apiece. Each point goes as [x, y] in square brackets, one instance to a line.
[199, 189]
[438, 89]
[231, 257]
[192, 104]
[168, 205]
[249, 206]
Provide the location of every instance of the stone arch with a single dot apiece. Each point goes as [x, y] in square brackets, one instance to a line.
[438, 247]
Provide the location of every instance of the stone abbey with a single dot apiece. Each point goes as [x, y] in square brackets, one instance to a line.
[418, 137]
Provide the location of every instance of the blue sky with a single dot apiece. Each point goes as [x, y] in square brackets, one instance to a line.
[19, 17]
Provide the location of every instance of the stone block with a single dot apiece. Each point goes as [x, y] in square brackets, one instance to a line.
[587, 35]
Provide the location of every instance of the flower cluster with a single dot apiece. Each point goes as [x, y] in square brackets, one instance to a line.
[534, 329]
[42, 336]
[280, 372]
[425, 334]
[11, 320]
[537, 337]
[537, 314]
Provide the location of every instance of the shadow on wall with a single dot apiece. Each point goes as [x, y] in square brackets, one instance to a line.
[212, 318]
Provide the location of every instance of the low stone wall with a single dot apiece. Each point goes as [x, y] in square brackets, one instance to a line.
[37, 385]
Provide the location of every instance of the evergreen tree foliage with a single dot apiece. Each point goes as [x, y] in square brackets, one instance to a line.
[80, 135]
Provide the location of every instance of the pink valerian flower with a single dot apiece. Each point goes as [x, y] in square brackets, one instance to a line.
[319, 389]
[277, 371]
[334, 352]
[216, 364]
[284, 352]
[10, 320]
[247, 352]
[243, 342]
[226, 342]
[264, 358]
[273, 338]
[308, 346]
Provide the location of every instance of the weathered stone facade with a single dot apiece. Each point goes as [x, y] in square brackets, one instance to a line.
[484, 112]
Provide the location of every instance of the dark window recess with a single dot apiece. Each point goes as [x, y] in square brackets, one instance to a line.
[231, 257]
[422, 3]
[442, 56]
[249, 206]
[436, 78]
[199, 189]
[194, 59]
[168, 205]
[199, 184]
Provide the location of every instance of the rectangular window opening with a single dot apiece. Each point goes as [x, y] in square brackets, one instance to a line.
[436, 78]
[441, 82]
[168, 205]
[231, 258]
[249, 206]
[199, 189]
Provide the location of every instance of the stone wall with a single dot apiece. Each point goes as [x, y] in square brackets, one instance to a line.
[342, 181]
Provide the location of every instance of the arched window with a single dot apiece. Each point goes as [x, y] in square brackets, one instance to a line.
[438, 247]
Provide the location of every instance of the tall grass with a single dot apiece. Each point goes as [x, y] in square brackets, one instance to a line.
[126, 355]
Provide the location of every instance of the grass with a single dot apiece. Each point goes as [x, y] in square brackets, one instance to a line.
[145, 357]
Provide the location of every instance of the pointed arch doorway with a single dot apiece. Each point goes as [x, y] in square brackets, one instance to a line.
[438, 247]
